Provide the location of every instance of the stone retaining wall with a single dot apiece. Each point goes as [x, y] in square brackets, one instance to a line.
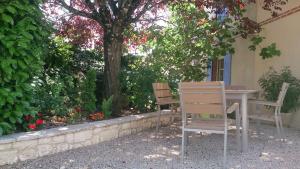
[30, 145]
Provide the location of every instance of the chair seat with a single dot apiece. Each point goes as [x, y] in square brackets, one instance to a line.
[262, 116]
[209, 125]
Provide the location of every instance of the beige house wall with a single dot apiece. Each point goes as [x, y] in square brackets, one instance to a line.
[248, 67]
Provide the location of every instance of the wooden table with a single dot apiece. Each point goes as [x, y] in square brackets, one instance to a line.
[242, 95]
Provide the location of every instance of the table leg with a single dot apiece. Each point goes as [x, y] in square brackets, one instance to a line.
[244, 123]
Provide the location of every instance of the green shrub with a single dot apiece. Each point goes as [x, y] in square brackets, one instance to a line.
[136, 82]
[88, 88]
[48, 96]
[23, 34]
[106, 106]
[271, 83]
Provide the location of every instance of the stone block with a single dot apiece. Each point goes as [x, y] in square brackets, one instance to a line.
[5, 146]
[82, 136]
[26, 154]
[45, 140]
[20, 145]
[45, 149]
[109, 135]
[95, 139]
[98, 131]
[76, 145]
[8, 157]
[58, 139]
[124, 132]
[61, 147]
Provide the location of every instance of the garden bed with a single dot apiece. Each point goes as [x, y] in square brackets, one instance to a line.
[30, 145]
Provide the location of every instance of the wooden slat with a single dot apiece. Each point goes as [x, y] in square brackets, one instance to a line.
[203, 108]
[202, 98]
[200, 84]
[160, 86]
[166, 100]
[162, 93]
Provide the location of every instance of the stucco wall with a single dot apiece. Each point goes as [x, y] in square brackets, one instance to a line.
[285, 33]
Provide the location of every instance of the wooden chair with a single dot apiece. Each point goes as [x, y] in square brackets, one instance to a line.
[276, 116]
[206, 98]
[163, 96]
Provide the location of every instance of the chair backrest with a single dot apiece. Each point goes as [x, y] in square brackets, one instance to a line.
[162, 92]
[282, 93]
[203, 98]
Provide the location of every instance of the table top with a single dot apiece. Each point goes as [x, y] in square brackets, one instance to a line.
[244, 91]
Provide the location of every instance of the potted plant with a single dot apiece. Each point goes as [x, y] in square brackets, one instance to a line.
[271, 83]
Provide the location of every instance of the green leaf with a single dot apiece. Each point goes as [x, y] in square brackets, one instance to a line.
[7, 18]
[12, 119]
[11, 9]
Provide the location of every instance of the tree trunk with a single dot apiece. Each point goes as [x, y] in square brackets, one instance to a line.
[113, 41]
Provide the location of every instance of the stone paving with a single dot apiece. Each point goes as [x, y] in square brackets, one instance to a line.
[145, 151]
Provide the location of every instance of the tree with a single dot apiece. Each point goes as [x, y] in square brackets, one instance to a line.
[116, 16]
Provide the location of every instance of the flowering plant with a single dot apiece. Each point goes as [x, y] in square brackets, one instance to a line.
[33, 122]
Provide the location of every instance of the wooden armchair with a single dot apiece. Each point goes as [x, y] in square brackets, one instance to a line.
[206, 98]
[276, 116]
[163, 96]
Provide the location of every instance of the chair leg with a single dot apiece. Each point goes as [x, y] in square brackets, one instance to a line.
[225, 149]
[277, 126]
[158, 120]
[173, 113]
[258, 122]
[281, 127]
[238, 129]
[183, 143]
[258, 126]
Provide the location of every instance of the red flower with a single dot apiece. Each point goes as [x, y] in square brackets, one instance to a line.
[40, 114]
[32, 126]
[27, 117]
[39, 121]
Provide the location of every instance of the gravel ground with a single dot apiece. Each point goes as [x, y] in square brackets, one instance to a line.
[145, 151]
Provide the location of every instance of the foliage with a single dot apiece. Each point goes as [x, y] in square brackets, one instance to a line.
[271, 83]
[266, 52]
[23, 34]
[62, 85]
[87, 23]
[269, 51]
[137, 77]
[183, 49]
[106, 106]
[55, 90]
[87, 94]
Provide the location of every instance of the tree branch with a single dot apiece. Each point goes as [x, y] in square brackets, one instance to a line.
[142, 12]
[75, 11]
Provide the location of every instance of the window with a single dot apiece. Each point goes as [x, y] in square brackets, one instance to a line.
[218, 70]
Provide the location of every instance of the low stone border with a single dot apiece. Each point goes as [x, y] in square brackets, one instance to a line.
[30, 145]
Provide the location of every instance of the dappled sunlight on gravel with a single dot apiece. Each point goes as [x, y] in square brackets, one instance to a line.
[151, 150]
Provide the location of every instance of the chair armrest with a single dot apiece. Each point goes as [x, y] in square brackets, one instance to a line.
[232, 108]
[265, 103]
